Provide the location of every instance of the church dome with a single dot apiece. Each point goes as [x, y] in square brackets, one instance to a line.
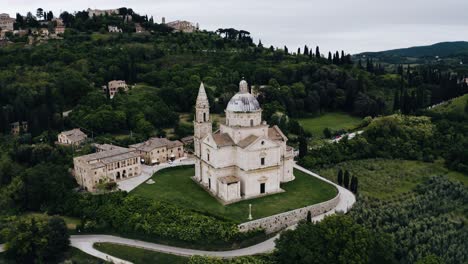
[243, 101]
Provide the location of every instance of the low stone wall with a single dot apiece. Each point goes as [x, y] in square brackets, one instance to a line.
[281, 221]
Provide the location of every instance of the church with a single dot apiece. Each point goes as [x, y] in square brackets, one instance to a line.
[245, 158]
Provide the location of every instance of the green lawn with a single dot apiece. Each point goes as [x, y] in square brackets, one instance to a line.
[138, 255]
[334, 121]
[175, 185]
[383, 178]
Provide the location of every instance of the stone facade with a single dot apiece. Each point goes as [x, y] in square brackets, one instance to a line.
[281, 221]
[19, 127]
[109, 164]
[6, 22]
[99, 12]
[245, 158]
[159, 150]
[182, 26]
[114, 87]
[73, 137]
[114, 29]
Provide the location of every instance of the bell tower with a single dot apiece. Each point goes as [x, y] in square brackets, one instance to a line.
[202, 126]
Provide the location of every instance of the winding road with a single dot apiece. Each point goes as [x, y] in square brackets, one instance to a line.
[85, 242]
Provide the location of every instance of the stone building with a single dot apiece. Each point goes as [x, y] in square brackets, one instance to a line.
[73, 137]
[19, 127]
[99, 12]
[182, 26]
[159, 150]
[6, 22]
[109, 164]
[114, 29]
[114, 87]
[59, 29]
[245, 158]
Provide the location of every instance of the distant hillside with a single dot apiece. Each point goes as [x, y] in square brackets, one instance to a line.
[443, 49]
[457, 105]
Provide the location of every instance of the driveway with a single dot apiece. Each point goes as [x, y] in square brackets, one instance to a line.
[85, 242]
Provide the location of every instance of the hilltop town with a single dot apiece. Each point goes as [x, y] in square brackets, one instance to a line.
[44, 25]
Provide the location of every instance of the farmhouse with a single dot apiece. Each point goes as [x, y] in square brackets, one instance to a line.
[159, 150]
[114, 87]
[73, 137]
[245, 158]
[6, 22]
[109, 164]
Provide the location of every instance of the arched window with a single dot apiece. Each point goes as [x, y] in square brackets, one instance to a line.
[251, 122]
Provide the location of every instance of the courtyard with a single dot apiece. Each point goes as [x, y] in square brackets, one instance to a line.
[175, 185]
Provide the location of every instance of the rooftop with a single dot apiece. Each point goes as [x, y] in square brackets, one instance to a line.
[153, 143]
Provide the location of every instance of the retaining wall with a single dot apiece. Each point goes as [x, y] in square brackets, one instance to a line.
[281, 221]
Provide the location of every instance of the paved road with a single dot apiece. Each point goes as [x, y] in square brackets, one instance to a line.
[85, 242]
[350, 136]
[148, 171]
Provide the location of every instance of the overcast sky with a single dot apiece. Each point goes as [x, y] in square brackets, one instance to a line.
[352, 25]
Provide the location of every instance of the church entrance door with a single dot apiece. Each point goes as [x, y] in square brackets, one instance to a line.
[262, 187]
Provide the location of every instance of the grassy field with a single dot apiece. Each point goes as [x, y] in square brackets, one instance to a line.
[138, 255]
[72, 255]
[334, 121]
[456, 105]
[175, 185]
[383, 178]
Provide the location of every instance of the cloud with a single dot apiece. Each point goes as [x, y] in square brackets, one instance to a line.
[352, 25]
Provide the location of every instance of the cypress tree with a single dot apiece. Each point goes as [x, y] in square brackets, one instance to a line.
[306, 50]
[353, 181]
[340, 177]
[286, 51]
[355, 187]
[330, 57]
[298, 51]
[396, 101]
[346, 180]
[317, 52]
[302, 146]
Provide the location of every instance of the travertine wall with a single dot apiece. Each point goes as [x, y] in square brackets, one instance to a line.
[278, 222]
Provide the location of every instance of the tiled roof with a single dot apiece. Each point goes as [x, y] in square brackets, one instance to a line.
[274, 133]
[247, 141]
[153, 143]
[74, 135]
[223, 140]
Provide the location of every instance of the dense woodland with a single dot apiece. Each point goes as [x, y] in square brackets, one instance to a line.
[41, 81]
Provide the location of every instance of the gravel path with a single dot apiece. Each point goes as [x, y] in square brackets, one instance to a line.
[85, 242]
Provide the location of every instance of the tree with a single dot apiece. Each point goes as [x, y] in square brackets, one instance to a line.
[340, 177]
[302, 146]
[327, 133]
[346, 179]
[336, 239]
[286, 51]
[317, 52]
[353, 185]
[306, 50]
[309, 217]
[50, 16]
[36, 239]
